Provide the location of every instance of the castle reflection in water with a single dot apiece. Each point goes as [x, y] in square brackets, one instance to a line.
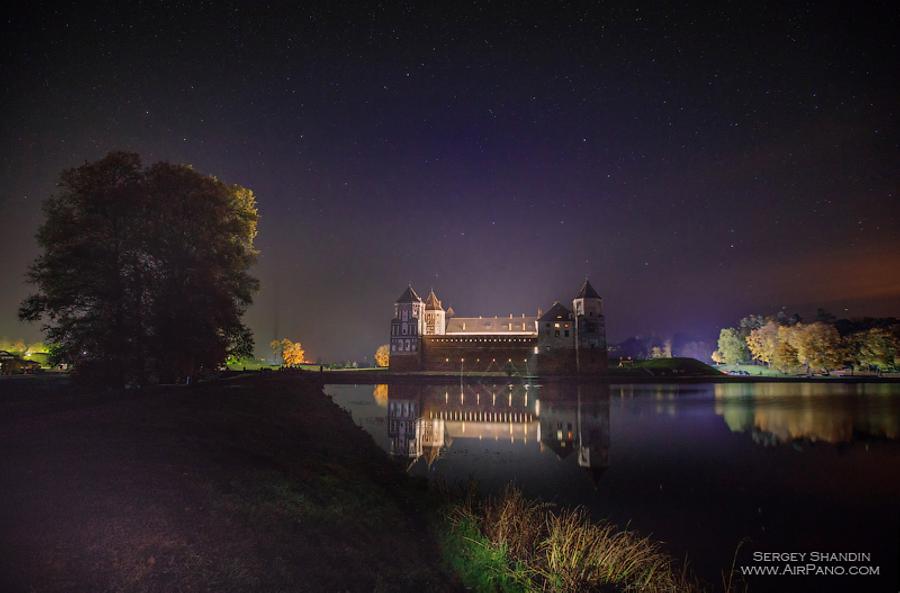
[423, 421]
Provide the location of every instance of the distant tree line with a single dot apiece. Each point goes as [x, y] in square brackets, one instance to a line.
[143, 273]
[787, 343]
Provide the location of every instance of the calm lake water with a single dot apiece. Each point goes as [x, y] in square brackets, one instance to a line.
[783, 467]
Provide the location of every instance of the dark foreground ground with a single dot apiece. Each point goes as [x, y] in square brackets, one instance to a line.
[252, 484]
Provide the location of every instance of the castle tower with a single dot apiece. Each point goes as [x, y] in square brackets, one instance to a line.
[555, 341]
[435, 319]
[590, 330]
[407, 328]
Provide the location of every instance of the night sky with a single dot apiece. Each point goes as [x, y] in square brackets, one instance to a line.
[696, 162]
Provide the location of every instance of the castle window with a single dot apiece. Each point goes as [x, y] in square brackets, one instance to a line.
[556, 333]
[567, 333]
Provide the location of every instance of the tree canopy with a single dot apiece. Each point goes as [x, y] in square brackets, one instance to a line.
[732, 347]
[878, 348]
[291, 353]
[383, 356]
[762, 342]
[787, 344]
[144, 271]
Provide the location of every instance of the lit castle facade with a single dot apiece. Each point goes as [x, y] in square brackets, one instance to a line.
[562, 341]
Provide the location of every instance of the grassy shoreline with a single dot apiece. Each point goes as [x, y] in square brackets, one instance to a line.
[669, 370]
[362, 377]
[510, 544]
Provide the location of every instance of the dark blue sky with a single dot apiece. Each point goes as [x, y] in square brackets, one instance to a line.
[698, 164]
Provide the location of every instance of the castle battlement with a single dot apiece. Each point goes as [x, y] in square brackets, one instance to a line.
[562, 341]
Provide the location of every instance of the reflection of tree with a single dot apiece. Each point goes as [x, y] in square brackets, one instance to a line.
[778, 413]
[887, 425]
[739, 418]
[814, 424]
[380, 393]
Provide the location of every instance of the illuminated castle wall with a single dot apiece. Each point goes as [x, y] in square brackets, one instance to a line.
[425, 337]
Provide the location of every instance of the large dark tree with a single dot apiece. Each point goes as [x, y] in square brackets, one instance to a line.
[143, 273]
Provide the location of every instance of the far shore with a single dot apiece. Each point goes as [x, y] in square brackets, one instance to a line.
[385, 376]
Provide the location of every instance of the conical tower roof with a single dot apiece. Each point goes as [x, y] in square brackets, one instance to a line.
[587, 291]
[432, 303]
[409, 296]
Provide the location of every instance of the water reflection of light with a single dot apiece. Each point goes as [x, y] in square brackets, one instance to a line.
[422, 424]
[380, 394]
[785, 412]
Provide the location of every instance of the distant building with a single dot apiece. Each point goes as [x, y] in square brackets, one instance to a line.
[426, 337]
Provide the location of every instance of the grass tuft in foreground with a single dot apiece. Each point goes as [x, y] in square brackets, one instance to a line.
[513, 544]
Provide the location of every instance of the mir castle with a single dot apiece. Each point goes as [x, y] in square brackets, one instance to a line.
[562, 341]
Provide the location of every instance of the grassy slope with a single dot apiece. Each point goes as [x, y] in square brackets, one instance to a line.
[667, 366]
[251, 364]
[754, 370]
[257, 484]
[256, 364]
